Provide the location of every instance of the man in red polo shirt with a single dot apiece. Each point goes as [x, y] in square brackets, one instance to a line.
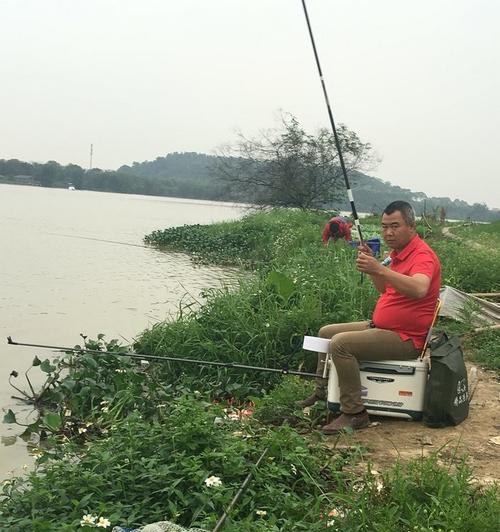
[409, 290]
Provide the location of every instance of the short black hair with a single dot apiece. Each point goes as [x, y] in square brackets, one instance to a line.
[334, 228]
[404, 208]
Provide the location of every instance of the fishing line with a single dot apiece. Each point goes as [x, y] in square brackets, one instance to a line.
[103, 240]
[334, 129]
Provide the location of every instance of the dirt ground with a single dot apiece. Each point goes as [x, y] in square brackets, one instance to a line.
[388, 439]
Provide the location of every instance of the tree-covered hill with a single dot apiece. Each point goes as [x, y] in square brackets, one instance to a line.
[197, 170]
[194, 175]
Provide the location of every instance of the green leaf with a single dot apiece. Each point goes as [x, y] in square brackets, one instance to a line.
[52, 421]
[36, 361]
[281, 283]
[46, 366]
[90, 361]
[30, 429]
[69, 384]
[9, 417]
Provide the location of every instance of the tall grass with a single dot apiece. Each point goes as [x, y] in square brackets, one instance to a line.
[263, 323]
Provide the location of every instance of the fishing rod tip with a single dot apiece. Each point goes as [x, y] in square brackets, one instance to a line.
[9, 340]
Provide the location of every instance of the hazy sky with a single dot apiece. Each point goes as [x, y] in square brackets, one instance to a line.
[141, 78]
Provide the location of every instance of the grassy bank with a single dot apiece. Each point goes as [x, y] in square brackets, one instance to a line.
[134, 443]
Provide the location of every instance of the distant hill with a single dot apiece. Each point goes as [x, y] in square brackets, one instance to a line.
[192, 175]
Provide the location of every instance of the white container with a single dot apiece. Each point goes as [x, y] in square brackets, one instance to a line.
[314, 343]
[393, 388]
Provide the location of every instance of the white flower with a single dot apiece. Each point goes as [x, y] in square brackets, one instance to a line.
[233, 416]
[144, 363]
[120, 370]
[213, 482]
[104, 403]
[103, 522]
[81, 430]
[163, 405]
[88, 519]
[261, 513]
[67, 413]
[294, 469]
[105, 409]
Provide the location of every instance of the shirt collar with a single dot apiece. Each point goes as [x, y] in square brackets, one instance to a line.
[403, 254]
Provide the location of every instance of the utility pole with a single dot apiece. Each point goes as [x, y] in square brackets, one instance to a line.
[91, 154]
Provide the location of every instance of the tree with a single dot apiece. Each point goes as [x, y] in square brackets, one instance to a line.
[289, 167]
[49, 173]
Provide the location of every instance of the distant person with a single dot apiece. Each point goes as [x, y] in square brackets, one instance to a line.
[336, 228]
[442, 216]
[403, 314]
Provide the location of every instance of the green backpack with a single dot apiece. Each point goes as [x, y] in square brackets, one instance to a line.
[446, 399]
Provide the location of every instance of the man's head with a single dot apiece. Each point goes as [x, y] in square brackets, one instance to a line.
[398, 224]
[334, 229]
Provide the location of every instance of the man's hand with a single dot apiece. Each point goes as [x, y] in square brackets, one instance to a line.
[366, 262]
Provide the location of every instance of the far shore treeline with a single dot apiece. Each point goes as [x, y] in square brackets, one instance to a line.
[194, 175]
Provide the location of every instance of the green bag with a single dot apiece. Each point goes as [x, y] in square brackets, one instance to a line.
[446, 399]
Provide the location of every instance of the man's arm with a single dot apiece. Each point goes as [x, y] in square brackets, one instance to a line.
[415, 286]
[326, 234]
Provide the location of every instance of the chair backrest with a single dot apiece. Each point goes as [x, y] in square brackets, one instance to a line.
[429, 333]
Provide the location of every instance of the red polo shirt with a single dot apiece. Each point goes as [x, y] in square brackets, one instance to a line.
[410, 318]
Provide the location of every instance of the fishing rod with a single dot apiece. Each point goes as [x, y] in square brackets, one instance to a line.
[334, 129]
[220, 522]
[133, 354]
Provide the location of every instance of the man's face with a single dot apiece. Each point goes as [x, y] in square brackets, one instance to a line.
[395, 231]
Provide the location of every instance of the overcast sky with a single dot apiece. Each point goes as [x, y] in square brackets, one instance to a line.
[142, 78]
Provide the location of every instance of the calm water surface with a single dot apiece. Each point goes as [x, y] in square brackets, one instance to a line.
[59, 278]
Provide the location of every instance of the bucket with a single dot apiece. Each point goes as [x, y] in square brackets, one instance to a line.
[372, 243]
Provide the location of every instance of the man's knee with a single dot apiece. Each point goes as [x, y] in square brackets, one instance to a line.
[343, 345]
[324, 332]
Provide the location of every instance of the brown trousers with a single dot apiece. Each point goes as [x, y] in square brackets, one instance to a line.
[351, 342]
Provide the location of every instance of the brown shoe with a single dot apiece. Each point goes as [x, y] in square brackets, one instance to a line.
[347, 421]
[311, 400]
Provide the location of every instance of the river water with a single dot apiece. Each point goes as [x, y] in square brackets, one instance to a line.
[73, 262]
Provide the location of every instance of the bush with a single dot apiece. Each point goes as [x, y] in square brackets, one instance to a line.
[146, 472]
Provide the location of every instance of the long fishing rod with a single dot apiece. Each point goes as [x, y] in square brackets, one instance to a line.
[334, 129]
[133, 354]
[221, 521]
